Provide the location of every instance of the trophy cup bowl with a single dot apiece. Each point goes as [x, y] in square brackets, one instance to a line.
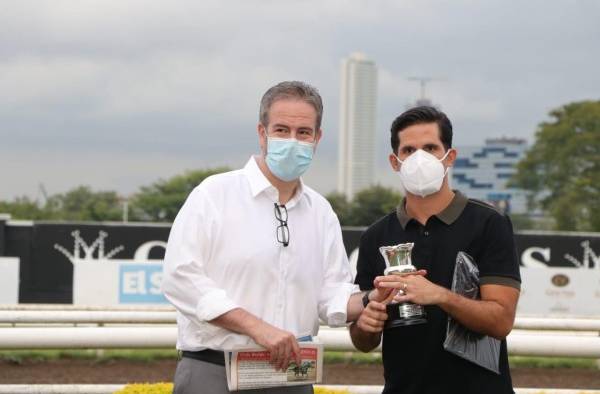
[398, 262]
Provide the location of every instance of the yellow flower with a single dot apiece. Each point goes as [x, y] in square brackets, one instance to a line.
[146, 388]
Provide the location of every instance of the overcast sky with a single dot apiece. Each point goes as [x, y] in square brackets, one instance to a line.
[117, 94]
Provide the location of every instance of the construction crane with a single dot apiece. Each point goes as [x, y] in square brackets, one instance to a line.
[42, 191]
[423, 100]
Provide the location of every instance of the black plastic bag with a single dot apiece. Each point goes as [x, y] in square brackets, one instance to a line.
[480, 349]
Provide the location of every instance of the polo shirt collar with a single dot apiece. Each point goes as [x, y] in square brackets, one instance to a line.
[260, 184]
[448, 215]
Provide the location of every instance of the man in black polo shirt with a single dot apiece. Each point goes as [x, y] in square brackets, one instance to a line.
[440, 222]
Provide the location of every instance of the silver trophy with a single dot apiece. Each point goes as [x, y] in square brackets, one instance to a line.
[398, 261]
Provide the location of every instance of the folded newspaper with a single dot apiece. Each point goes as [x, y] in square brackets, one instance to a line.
[249, 368]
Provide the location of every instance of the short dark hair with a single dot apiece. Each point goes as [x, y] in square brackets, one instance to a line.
[419, 115]
[290, 90]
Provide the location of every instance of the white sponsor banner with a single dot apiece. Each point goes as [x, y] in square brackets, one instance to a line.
[557, 282]
[9, 280]
[564, 291]
[117, 282]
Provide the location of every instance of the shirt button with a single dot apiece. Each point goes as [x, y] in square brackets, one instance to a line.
[426, 233]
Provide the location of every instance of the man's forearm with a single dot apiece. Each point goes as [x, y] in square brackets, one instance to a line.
[238, 320]
[362, 340]
[488, 317]
[366, 331]
[281, 344]
[355, 307]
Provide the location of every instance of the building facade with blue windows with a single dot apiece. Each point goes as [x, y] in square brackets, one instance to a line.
[482, 172]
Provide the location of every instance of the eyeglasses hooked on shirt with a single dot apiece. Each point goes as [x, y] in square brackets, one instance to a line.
[283, 232]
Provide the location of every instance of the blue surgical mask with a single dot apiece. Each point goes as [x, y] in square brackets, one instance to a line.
[288, 158]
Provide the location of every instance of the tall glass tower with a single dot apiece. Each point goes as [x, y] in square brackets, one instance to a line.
[358, 105]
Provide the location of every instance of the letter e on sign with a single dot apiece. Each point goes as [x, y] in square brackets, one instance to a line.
[140, 284]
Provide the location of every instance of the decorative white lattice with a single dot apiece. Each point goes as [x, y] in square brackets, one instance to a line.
[80, 246]
[589, 257]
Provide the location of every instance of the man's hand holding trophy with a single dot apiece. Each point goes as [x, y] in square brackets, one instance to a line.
[398, 297]
[398, 266]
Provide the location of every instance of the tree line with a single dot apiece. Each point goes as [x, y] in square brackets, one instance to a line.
[160, 202]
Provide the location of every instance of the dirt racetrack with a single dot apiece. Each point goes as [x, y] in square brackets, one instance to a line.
[64, 371]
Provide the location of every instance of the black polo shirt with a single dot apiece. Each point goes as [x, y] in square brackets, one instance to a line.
[414, 359]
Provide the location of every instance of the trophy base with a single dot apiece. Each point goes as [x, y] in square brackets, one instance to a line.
[389, 324]
[405, 314]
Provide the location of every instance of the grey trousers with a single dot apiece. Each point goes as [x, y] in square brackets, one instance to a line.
[199, 377]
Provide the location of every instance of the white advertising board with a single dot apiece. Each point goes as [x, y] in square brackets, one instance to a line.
[560, 291]
[9, 280]
[117, 282]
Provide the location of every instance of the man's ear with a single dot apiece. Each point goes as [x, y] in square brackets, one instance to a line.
[262, 138]
[260, 129]
[451, 158]
[318, 136]
[394, 162]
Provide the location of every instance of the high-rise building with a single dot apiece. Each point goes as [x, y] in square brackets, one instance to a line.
[358, 105]
[482, 172]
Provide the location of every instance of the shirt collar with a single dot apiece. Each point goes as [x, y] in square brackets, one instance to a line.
[259, 184]
[448, 215]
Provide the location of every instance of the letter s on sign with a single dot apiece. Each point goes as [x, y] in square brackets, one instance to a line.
[529, 260]
[143, 251]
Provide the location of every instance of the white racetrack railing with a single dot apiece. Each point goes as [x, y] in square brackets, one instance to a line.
[49, 315]
[55, 326]
[86, 317]
[522, 344]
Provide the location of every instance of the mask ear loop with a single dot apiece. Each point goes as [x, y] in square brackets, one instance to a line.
[444, 158]
[266, 142]
[446, 155]
[399, 161]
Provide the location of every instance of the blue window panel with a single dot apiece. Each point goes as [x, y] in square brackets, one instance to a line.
[498, 196]
[503, 176]
[462, 178]
[464, 163]
[485, 151]
[503, 165]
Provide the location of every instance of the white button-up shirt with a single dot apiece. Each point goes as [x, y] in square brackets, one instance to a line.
[223, 253]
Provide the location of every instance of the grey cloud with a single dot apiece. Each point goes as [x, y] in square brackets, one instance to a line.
[135, 80]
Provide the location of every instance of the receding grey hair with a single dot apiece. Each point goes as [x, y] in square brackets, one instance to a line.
[291, 90]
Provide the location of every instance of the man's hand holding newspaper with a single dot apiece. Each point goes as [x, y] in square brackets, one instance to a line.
[252, 368]
[282, 345]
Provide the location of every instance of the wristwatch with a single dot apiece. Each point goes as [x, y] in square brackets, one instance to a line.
[365, 299]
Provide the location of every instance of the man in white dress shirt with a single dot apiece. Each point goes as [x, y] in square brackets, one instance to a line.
[255, 256]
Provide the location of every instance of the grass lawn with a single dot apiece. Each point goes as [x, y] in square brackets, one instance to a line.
[148, 355]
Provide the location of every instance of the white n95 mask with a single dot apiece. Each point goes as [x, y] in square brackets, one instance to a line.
[422, 173]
